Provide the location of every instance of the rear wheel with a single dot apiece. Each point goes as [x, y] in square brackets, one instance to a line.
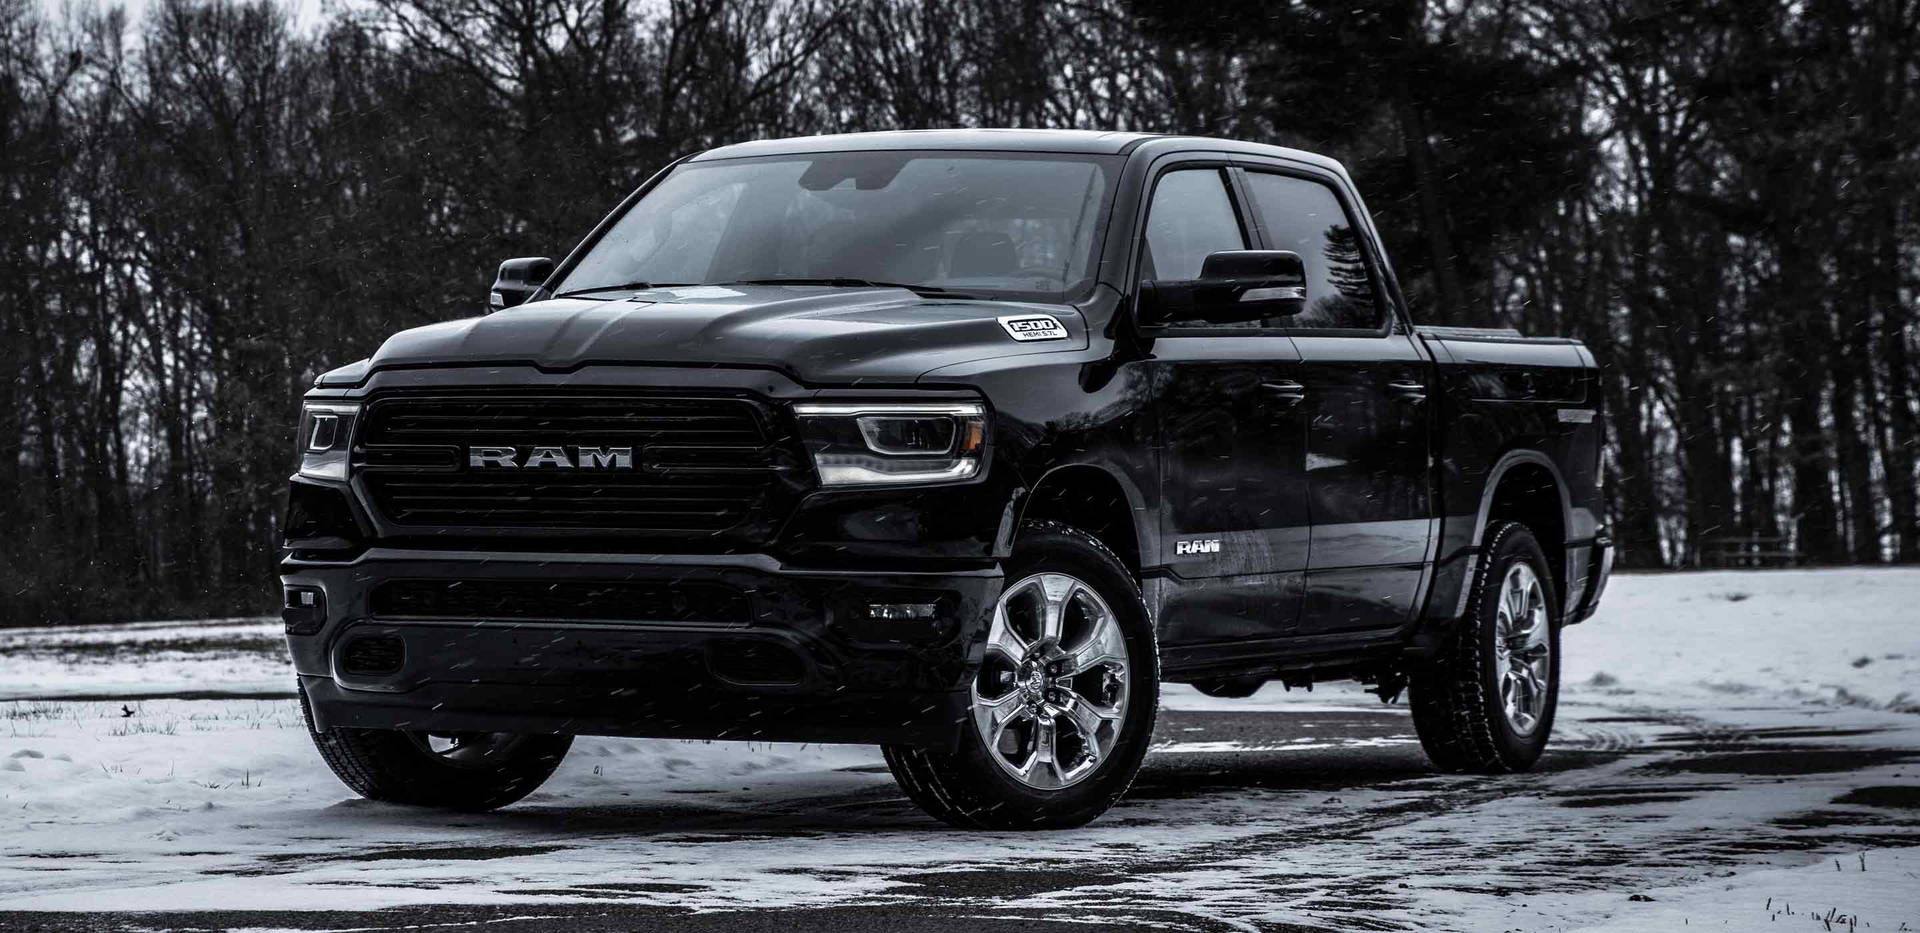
[1486, 704]
[454, 770]
[1061, 711]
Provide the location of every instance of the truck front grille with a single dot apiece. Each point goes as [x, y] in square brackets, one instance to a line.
[687, 467]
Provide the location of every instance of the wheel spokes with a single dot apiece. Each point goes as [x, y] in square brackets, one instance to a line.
[1524, 711]
[1104, 645]
[1536, 686]
[993, 716]
[465, 749]
[1002, 637]
[1089, 721]
[1523, 648]
[1047, 713]
[1042, 768]
[1059, 590]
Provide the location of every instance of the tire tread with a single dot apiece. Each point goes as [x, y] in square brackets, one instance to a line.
[1451, 713]
[383, 765]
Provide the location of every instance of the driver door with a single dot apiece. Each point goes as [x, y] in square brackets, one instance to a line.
[1234, 518]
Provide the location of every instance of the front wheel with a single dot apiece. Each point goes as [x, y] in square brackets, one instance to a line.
[1061, 711]
[470, 771]
[1486, 703]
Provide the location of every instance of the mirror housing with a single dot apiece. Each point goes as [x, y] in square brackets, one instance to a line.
[1234, 287]
[517, 282]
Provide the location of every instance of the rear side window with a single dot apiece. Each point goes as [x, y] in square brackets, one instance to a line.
[1305, 217]
[1190, 217]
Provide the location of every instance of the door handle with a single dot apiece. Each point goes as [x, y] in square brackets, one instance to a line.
[1407, 390]
[1288, 392]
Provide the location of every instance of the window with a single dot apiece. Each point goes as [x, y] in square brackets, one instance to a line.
[678, 247]
[1003, 226]
[1305, 217]
[1190, 217]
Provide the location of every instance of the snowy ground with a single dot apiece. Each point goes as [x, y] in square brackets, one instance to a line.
[1735, 750]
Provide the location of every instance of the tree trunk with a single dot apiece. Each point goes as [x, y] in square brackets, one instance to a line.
[1451, 296]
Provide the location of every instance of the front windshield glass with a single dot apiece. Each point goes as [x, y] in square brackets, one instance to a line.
[989, 224]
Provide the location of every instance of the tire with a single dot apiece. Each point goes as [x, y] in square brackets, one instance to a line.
[1459, 703]
[975, 786]
[393, 766]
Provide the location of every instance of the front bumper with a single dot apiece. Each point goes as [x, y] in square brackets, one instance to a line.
[793, 666]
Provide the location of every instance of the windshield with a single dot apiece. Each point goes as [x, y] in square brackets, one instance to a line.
[989, 224]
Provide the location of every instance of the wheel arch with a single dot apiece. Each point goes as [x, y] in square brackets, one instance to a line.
[1092, 498]
[1525, 486]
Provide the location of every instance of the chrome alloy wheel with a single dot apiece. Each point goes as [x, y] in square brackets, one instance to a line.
[1052, 691]
[467, 749]
[1523, 648]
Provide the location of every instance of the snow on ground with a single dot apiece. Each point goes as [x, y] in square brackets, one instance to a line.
[1847, 636]
[1864, 889]
[1733, 749]
[220, 656]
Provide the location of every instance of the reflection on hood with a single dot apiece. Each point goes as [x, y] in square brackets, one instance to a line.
[813, 334]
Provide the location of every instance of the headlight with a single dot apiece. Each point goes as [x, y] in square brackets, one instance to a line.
[326, 436]
[893, 443]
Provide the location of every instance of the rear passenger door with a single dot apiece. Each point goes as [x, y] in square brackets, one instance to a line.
[1368, 467]
[1233, 496]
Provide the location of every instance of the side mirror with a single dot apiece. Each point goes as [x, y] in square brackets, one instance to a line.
[517, 281]
[1234, 287]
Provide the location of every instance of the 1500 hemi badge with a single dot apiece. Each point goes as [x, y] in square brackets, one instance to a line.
[1033, 327]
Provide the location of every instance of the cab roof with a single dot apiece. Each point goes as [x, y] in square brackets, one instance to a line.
[1096, 142]
[1008, 140]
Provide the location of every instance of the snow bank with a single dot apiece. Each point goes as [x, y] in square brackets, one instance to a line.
[1845, 635]
[1872, 890]
[216, 656]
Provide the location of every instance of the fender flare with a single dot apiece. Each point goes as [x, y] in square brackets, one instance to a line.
[1507, 462]
[1016, 509]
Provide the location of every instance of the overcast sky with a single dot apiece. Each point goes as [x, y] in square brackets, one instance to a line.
[306, 12]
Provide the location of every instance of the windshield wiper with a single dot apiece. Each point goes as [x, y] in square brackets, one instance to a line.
[846, 282]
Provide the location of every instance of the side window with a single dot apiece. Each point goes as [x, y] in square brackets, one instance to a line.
[1305, 217]
[1190, 217]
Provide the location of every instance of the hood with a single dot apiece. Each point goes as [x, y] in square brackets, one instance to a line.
[816, 335]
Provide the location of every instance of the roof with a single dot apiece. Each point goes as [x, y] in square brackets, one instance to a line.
[1096, 142]
[1087, 141]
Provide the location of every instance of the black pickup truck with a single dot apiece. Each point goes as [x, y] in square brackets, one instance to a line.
[956, 442]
